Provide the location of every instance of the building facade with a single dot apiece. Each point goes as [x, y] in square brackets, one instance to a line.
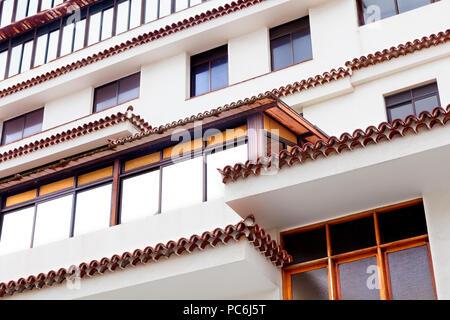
[247, 149]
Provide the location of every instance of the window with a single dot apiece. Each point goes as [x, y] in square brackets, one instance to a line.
[55, 211]
[209, 71]
[23, 126]
[412, 102]
[379, 254]
[67, 34]
[374, 10]
[117, 92]
[290, 43]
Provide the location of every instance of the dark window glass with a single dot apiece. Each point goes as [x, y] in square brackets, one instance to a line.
[352, 235]
[23, 126]
[310, 285]
[412, 102]
[209, 71]
[290, 43]
[117, 92]
[359, 280]
[306, 246]
[402, 223]
[129, 87]
[374, 10]
[410, 274]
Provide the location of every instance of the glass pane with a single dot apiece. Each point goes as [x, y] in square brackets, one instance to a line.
[41, 48]
[13, 130]
[122, 16]
[194, 2]
[400, 111]
[135, 14]
[402, 223]
[93, 210]
[53, 220]
[352, 235]
[281, 52]
[16, 232]
[52, 45]
[129, 88]
[219, 73]
[410, 274]
[16, 57]
[359, 280]
[7, 10]
[406, 5]
[425, 90]
[140, 196]
[302, 45]
[94, 28]
[26, 56]
[375, 10]
[21, 9]
[306, 246]
[426, 104]
[105, 97]
[310, 285]
[164, 7]
[200, 79]
[181, 4]
[220, 160]
[182, 184]
[151, 10]
[33, 122]
[67, 39]
[32, 7]
[107, 23]
[46, 4]
[80, 28]
[3, 57]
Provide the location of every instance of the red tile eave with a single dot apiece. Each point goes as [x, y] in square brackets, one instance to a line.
[75, 132]
[42, 18]
[245, 229]
[323, 148]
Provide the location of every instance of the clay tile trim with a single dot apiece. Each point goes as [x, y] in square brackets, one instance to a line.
[247, 229]
[73, 133]
[322, 149]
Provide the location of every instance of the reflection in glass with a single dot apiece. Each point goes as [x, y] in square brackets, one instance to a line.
[400, 111]
[13, 130]
[151, 10]
[135, 13]
[41, 50]
[105, 97]
[52, 45]
[359, 280]
[129, 88]
[21, 9]
[219, 73]
[67, 39]
[407, 5]
[182, 184]
[181, 4]
[53, 220]
[26, 56]
[94, 27]
[375, 10]
[78, 42]
[14, 65]
[410, 274]
[16, 232]
[6, 14]
[302, 45]
[164, 7]
[281, 52]
[107, 23]
[220, 160]
[140, 196]
[93, 209]
[122, 17]
[33, 122]
[3, 56]
[426, 104]
[201, 79]
[310, 285]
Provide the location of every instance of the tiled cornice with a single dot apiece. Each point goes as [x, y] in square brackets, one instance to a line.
[246, 229]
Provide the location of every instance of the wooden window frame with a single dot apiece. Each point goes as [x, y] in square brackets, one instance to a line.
[412, 99]
[360, 10]
[379, 251]
[288, 29]
[208, 57]
[2, 140]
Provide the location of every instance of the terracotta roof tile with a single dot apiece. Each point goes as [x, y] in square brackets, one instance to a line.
[322, 149]
[247, 229]
[73, 133]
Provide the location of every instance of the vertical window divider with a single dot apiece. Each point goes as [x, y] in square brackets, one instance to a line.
[114, 22]
[34, 226]
[205, 167]
[61, 25]
[39, 6]
[161, 154]
[86, 28]
[380, 260]
[72, 216]
[115, 198]
[129, 14]
[33, 51]
[8, 59]
[14, 12]
[332, 272]
[431, 269]
[143, 9]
